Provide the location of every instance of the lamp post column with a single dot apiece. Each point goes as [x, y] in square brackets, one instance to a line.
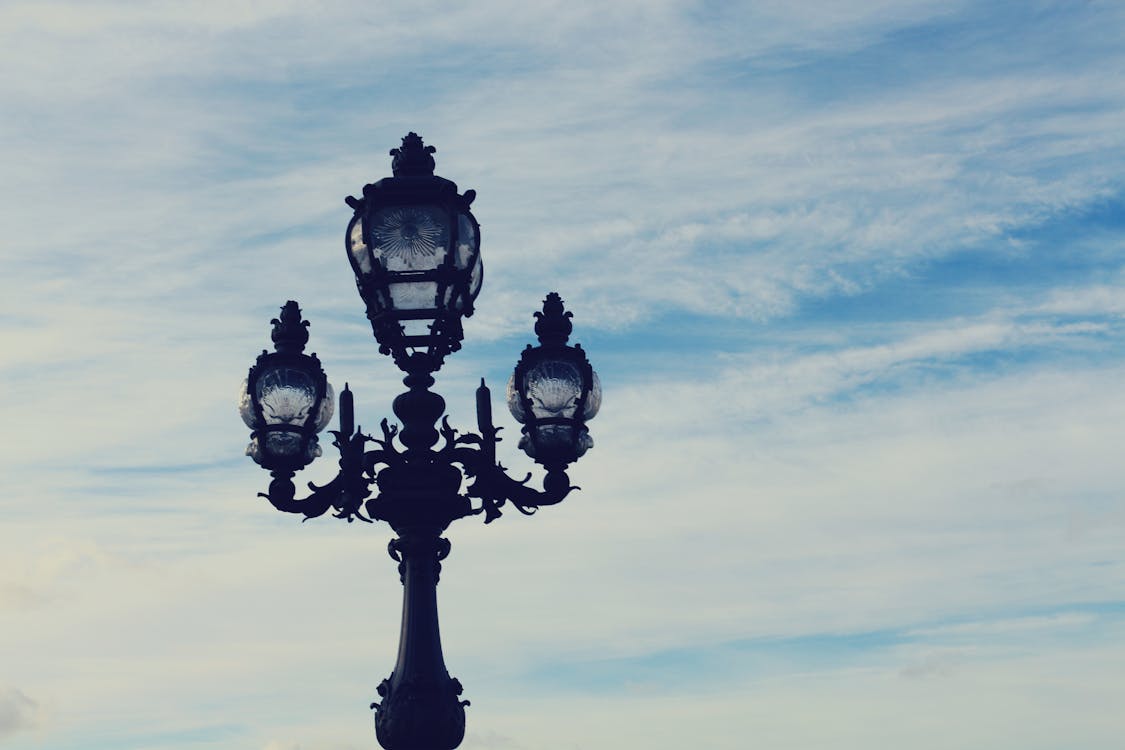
[421, 708]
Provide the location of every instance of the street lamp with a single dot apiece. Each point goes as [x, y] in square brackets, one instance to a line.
[415, 249]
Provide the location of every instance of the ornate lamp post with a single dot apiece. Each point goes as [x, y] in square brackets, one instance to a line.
[415, 249]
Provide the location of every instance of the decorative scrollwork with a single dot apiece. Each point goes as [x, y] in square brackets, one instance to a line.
[418, 473]
[493, 487]
[417, 713]
[345, 493]
[348, 493]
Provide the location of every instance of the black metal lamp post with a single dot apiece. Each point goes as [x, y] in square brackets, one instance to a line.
[415, 249]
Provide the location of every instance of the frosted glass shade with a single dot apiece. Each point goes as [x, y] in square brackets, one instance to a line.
[286, 397]
[418, 268]
[410, 238]
[547, 403]
[553, 388]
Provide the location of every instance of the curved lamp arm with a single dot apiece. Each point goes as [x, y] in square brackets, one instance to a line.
[349, 491]
[346, 492]
[492, 485]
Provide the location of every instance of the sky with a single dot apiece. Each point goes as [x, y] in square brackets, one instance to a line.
[852, 273]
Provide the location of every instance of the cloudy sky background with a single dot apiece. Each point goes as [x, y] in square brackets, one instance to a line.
[852, 274]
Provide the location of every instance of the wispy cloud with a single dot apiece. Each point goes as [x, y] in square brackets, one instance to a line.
[17, 712]
[850, 272]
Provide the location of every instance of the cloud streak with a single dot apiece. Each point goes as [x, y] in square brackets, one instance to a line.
[850, 273]
[18, 712]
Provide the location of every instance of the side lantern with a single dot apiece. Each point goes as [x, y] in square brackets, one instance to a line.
[286, 399]
[554, 391]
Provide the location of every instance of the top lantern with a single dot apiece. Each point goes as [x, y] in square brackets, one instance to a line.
[415, 249]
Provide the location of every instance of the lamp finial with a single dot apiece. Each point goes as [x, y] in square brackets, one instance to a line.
[553, 325]
[290, 333]
[413, 158]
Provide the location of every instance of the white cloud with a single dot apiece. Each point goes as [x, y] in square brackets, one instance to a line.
[18, 712]
[1097, 299]
[694, 181]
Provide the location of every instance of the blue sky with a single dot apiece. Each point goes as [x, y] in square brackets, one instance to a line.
[852, 275]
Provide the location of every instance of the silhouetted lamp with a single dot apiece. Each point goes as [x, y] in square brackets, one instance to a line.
[415, 249]
[553, 391]
[286, 399]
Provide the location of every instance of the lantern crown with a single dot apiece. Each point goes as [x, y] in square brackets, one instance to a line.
[413, 157]
[290, 333]
[552, 325]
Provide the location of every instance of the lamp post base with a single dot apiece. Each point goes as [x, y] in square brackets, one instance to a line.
[416, 715]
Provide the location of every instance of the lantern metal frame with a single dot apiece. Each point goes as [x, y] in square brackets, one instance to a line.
[425, 475]
[290, 334]
[415, 185]
[553, 328]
